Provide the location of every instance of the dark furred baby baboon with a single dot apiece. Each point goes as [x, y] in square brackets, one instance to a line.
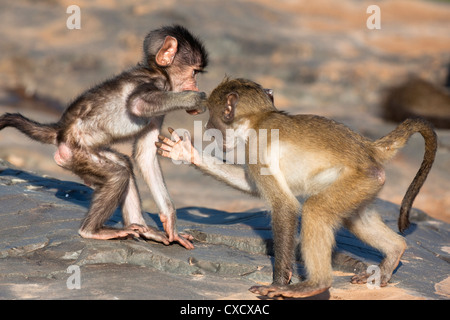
[129, 106]
[338, 171]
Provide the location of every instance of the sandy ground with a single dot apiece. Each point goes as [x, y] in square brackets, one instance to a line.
[319, 57]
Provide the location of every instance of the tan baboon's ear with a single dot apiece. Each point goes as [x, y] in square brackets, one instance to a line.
[228, 112]
[269, 93]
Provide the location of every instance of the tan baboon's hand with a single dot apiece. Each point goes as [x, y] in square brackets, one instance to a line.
[180, 149]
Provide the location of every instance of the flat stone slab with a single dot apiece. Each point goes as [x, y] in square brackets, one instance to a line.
[38, 241]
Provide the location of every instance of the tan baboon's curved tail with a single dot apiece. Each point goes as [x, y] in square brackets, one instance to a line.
[389, 145]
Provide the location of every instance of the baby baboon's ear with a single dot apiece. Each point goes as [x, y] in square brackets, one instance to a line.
[166, 54]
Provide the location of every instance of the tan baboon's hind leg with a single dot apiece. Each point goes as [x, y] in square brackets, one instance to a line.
[369, 227]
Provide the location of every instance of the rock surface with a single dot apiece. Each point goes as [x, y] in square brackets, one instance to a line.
[39, 241]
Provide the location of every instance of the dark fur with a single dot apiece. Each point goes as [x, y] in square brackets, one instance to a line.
[40, 132]
[129, 106]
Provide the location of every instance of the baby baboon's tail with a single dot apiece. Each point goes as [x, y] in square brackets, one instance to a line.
[45, 133]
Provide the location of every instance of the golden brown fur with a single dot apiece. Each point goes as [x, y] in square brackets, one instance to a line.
[338, 171]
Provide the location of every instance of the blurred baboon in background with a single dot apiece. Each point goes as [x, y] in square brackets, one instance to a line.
[418, 98]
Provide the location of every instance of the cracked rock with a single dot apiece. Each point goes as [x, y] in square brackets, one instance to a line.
[39, 239]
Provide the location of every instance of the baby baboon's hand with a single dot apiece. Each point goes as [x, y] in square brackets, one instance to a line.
[199, 101]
